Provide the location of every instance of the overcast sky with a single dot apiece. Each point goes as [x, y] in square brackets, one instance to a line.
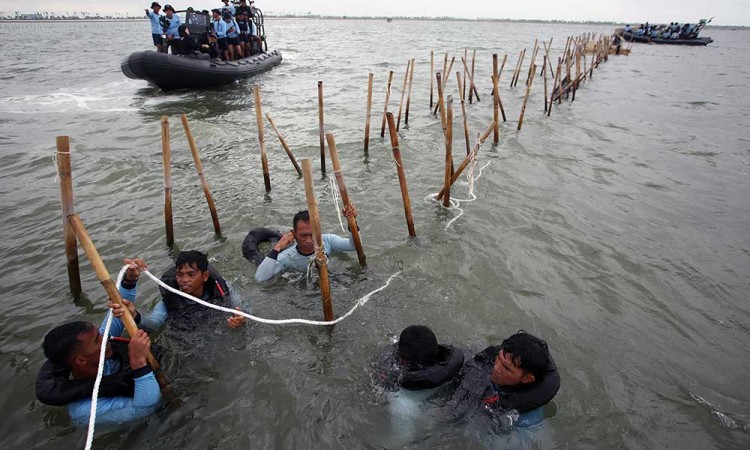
[727, 12]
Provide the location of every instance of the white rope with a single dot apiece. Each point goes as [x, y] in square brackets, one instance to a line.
[336, 194]
[100, 371]
[360, 302]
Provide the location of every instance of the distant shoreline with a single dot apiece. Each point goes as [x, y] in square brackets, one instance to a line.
[379, 18]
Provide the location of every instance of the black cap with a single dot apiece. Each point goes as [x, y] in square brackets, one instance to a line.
[168, 7]
[155, 4]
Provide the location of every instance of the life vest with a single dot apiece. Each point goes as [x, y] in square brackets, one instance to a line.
[216, 288]
[55, 387]
[393, 375]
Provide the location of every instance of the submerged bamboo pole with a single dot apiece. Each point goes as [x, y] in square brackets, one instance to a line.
[68, 207]
[114, 295]
[369, 110]
[321, 261]
[448, 154]
[432, 75]
[284, 144]
[387, 99]
[262, 138]
[353, 228]
[403, 94]
[495, 100]
[461, 89]
[166, 155]
[401, 175]
[468, 158]
[201, 175]
[526, 97]
[321, 132]
[408, 96]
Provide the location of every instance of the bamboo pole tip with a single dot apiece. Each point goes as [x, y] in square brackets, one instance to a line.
[62, 140]
[164, 119]
[320, 83]
[183, 116]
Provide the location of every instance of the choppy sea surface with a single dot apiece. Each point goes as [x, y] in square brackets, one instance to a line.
[616, 229]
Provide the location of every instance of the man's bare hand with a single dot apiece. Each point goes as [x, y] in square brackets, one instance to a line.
[350, 211]
[236, 321]
[118, 310]
[285, 241]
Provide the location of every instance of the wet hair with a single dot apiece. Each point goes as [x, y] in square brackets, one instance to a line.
[61, 344]
[303, 216]
[192, 258]
[418, 344]
[528, 352]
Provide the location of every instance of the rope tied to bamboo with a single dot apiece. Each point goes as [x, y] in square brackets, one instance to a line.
[336, 195]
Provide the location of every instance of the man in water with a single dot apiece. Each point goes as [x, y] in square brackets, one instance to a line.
[285, 256]
[191, 275]
[75, 348]
[156, 29]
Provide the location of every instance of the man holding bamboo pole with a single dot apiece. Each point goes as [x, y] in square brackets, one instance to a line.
[285, 256]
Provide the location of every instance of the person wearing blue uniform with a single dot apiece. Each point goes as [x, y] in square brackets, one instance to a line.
[191, 274]
[219, 28]
[228, 7]
[156, 28]
[74, 348]
[285, 256]
[172, 33]
[233, 37]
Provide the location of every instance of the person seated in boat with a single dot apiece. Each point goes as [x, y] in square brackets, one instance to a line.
[285, 256]
[171, 34]
[156, 29]
[191, 275]
[628, 29]
[233, 37]
[245, 30]
[219, 28]
[243, 8]
[210, 46]
[227, 7]
[188, 43]
[129, 390]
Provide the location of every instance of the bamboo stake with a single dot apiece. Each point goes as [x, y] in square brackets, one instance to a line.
[554, 86]
[321, 132]
[403, 94]
[445, 65]
[201, 175]
[461, 89]
[547, 49]
[472, 86]
[468, 158]
[166, 160]
[448, 154]
[321, 261]
[387, 98]
[526, 97]
[517, 68]
[432, 75]
[466, 56]
[408, 96]
[114, 295]
[401, 176]
[544, 69]
[369, 110]
[68, 207]
[495, 98]
[533, 59]
[578, 73]
[353, 228]
[284, 144]
[441, 101]
[445, 80]
[262, 138]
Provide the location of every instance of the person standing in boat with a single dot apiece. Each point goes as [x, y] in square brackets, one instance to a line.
[285, 256]
[172, 33]
[233, 37]
[219, 28]
[156, 30]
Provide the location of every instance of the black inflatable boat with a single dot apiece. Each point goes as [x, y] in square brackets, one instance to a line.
[647, 40]
[171, 72]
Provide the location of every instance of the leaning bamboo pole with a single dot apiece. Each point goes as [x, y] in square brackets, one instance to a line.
[68, 207]
[401, 175]
[166, 154]
[441, 101]
[448, 154]
[526, 97]
[446, 75]
[114, 295]
[495, 98]
[408, 96]
[284, 144]
[321, 261]
[472, 86]
[554, 86]
[546, 94]
[461, 89]
[369, 110]
[533, 59]
[201, 175]
[387, 99]
[466, 56]
[353, 228]
[321, 131]
[432, 76]
[403, 94]
[468, 158]
[262, 138]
